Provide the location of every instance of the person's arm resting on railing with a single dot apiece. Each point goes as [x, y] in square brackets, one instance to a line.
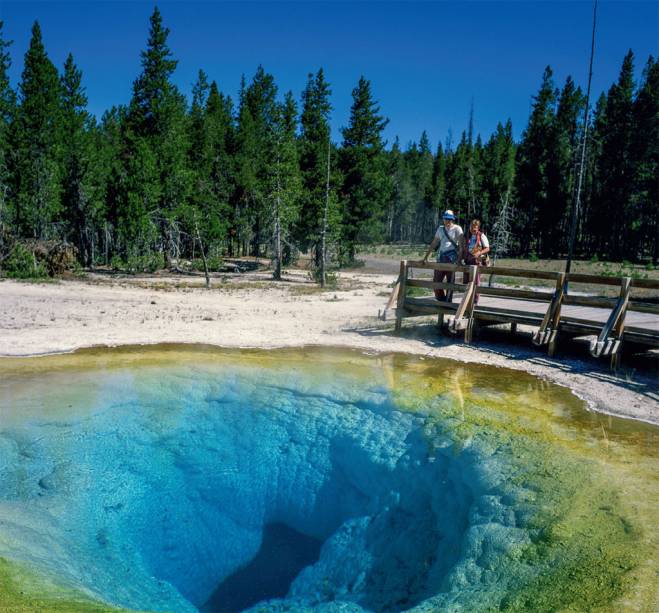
[433, 246]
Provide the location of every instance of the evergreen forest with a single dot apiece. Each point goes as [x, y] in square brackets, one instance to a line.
[165, 178]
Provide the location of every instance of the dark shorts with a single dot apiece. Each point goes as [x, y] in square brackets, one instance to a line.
[448, 257]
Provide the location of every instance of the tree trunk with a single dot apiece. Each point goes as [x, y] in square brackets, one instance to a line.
[323, 251]
[203, 253]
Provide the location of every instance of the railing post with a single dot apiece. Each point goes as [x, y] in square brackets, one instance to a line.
[382, 315]
[609, 340]
[548, 331]
[464, 315]
[401, 294]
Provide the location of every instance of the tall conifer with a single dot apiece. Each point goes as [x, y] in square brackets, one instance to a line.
[7, 110]
[156, 142]
[533, 157]
[645, 161]
[616, 160]
[313, 145]
[365, 182]
[563, 140]
[37, 144]
[81, 182]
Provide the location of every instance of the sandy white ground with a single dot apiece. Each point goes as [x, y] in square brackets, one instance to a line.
[251, 311]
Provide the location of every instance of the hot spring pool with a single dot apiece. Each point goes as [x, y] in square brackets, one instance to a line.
[185, 479]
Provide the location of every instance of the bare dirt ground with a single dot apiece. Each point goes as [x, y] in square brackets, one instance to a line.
[251, 310]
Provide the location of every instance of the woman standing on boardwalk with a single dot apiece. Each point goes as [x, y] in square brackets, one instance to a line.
[477, 247]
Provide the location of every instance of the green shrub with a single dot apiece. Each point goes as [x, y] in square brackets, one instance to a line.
[149, 262]
[214, 262]
[331, 277]
[22, 264]
[116, 263]
[649, 266]
[145, 263]
[533, 257]
[594, 259]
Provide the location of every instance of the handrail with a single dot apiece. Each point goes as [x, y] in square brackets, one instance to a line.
[437, 266]
[610, 334]
[521, 272]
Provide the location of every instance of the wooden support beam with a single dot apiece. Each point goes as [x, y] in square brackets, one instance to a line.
[548, 330]
[402, 276]
[610, 338]
[464, 314]
[382, 315]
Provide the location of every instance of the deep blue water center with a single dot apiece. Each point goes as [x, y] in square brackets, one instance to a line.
[185, 488]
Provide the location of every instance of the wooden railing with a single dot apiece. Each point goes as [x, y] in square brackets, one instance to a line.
[609, 335]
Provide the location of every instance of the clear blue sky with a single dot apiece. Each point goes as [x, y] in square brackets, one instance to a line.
[426, 61]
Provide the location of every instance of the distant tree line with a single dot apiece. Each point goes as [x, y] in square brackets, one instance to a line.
[167, 179]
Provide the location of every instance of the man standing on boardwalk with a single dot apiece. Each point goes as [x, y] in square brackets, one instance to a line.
[450, 238]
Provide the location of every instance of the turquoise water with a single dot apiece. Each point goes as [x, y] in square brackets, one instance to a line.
[172, 481]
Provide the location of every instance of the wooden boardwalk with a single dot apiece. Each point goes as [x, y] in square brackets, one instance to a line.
[611, 320]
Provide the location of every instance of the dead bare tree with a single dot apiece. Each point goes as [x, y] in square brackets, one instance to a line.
[323, 232]
[201, 248]
[501, 231]
[277, 230]
[577, 199]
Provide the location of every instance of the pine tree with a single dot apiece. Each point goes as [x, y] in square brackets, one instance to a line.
[82, 187]
[156, 137]
[401, 208]
[7, 111]
[425, 217]
[616, 162]
[287, 183]
[563, 140]
[531, 173]
[365, 183]
[255, 145]
[313, 147]
[220, 133]
[37, 144]
[595, 219]
[645, 161]
[209, 217]
[498, 172]
[459, 196]
[438, 196]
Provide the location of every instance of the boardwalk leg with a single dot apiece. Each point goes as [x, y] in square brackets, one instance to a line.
[551, 347]
[513, 327]
[469, 331]
[615, 360]
[400, 305]
[440, 321]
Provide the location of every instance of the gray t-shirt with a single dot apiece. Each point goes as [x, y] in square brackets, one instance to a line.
[445, 245]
